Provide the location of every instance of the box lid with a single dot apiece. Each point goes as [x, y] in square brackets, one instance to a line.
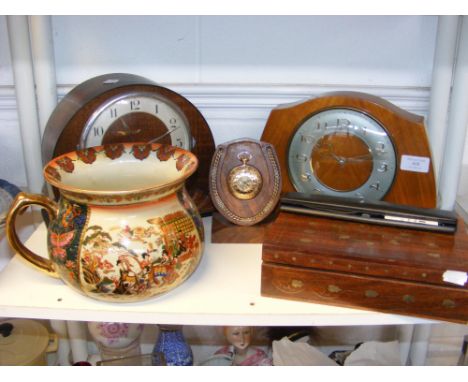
[367, 249]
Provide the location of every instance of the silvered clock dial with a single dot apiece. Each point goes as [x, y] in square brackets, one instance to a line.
[342, 152]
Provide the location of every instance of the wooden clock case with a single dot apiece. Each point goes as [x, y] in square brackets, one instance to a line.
[406, 130]
[65, 125]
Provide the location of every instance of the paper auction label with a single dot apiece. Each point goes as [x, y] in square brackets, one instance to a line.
[415, 163]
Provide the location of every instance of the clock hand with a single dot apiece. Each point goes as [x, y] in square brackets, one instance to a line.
[163, 135]
[331, 151]
[342, 160]
[126, 127]
[359, 158]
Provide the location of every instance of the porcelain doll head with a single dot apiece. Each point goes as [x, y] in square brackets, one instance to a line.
[239, 336]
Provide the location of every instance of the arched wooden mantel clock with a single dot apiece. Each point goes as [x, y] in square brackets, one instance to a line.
[121, 107]
[353, 145]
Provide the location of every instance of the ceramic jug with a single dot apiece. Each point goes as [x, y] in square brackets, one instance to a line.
[124, 228]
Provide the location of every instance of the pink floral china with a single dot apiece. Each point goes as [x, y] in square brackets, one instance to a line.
[125, 228]
[116, 340]
[115, 335]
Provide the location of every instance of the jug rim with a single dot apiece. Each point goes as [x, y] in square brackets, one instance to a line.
[186, 164]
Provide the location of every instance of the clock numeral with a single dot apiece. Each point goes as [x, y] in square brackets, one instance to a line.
[380, 148]
[375, 186]
[113, 112]
[301, 157]
[135, 104]
[173, 122]
[307, 139]
[359, 196]
[343, 124]
[98, 131]
[179, 142]
[320, 127]
[156, 109]
[306, 177]
[383, 167]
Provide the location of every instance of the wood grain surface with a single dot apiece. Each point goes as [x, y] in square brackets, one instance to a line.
[225, 232]
[348, 263]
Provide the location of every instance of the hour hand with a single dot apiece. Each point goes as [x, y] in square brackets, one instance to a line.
[330, 151]
[346, 159]
[127, 129]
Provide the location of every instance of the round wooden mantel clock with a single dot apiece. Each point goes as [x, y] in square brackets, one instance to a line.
[121, 107]
[353, 145]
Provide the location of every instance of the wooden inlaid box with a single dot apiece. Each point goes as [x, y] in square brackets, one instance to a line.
[366, 266]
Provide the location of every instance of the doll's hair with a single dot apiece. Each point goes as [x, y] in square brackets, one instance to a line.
[226, 328]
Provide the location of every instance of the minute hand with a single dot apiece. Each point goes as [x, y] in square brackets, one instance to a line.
[357, 158]
[163, 135]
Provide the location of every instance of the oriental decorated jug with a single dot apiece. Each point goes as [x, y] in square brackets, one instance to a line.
[124, 228]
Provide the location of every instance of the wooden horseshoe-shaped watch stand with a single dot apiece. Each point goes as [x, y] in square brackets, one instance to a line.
[245, 186]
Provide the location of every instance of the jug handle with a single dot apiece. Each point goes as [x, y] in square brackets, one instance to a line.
[21, 202]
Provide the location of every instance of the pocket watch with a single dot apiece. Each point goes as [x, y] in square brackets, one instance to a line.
[121, 107]
[353, 145]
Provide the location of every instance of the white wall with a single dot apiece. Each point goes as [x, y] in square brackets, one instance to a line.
[395, 51]
[235, 68]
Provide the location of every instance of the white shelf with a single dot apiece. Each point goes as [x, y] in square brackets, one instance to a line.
[224, 290]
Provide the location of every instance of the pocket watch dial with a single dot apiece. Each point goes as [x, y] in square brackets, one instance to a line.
[136, 118]
[342, 152]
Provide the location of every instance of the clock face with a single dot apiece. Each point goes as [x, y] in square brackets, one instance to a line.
[342, 152]
[137, 117]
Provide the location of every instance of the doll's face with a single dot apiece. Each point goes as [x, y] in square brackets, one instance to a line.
[239, 336]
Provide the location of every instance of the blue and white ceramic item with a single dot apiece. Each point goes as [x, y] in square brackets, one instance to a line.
[172, 344]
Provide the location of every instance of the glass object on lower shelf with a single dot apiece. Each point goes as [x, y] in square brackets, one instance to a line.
[171, 342]
[153, 359]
